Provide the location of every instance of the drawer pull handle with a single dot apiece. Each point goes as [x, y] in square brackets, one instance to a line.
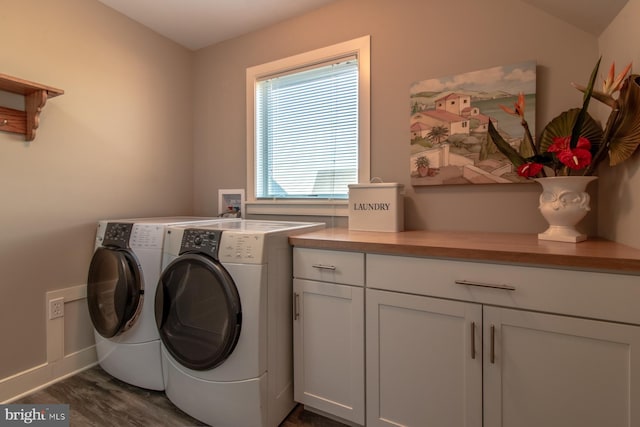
[324, 267]
[473, 340]
[485, 285]
[296, 306]
[493, 344]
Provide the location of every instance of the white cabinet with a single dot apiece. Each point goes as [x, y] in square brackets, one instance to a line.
[461, 343]
[426, 364]
[328, 332]
[530, 368]
[558, 371]
[424, 361]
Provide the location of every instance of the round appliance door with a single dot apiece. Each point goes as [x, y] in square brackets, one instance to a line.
[198, 311]
[114, 290]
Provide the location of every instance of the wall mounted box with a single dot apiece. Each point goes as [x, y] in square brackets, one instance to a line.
[231, 203]
[376, 207]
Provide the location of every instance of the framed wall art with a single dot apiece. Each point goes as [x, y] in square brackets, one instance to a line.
[449, 120]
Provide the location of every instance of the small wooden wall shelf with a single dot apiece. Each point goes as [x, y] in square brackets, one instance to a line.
[35, 97]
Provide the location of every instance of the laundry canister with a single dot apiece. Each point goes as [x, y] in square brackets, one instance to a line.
[376, 207]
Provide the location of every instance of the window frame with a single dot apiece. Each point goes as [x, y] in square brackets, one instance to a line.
[329, 207]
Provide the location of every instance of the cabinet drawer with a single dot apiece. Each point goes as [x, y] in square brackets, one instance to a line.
[596, 295]
[329, 266]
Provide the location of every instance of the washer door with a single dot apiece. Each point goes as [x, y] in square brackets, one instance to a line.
[198, 311]
[114, 290]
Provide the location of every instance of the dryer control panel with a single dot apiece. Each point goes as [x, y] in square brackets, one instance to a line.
[200, 241]
[241, 247]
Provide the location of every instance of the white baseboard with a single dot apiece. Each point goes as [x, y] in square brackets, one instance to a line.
[58, 365]
[24, 383]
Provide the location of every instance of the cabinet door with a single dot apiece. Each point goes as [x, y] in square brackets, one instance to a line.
[328, 333]
[558, 371]
[424, 361]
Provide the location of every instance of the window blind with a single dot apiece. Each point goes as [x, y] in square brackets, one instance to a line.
[307, 132]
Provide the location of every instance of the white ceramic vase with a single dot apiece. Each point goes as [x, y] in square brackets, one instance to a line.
[564, 203]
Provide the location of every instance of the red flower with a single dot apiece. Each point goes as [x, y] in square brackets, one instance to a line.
[561, 143]
[529, 169]
[577, 158]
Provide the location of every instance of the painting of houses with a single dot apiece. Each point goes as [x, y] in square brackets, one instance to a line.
[449, 121]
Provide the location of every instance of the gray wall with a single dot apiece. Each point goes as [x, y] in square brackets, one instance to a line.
[116, 144]
[619, 186]
[411, 40]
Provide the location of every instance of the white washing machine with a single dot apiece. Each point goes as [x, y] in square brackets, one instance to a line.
[223, 309]
[124, 269]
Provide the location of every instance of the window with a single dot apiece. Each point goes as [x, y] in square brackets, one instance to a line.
[308, 129]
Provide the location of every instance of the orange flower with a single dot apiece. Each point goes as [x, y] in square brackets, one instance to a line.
[518, 107]
[611, 86]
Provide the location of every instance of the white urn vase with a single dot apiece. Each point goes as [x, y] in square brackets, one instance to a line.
[564, 203]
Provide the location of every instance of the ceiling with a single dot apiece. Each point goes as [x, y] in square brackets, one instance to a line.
[198, 23]
[592, 16]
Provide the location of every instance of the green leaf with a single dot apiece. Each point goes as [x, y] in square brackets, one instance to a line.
[526, 146]
[577, 127]
[626, 139]
[504, 147]
[563, 124]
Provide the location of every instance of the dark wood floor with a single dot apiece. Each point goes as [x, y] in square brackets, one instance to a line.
[97, 399]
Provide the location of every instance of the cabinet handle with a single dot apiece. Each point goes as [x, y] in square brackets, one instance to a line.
[324, 267]
[492, 356]
[296, 305]
[473, 340]
[485, 285]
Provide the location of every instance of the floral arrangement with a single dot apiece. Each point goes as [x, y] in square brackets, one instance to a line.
[573, 143]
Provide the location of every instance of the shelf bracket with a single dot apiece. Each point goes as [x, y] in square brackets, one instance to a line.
[34, 103]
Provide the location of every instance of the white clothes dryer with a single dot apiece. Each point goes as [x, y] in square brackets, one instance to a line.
[223, 310]
[125, 267]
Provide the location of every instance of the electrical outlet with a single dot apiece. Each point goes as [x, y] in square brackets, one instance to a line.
[56, 308]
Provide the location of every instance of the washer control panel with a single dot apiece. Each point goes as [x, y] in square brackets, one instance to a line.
[117, 234]
[147, 236]
[201, 241]
[242, 247]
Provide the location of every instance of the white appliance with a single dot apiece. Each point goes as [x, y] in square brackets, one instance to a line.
[124, 270]
[223, 308]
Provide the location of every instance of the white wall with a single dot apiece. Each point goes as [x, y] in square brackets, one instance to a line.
[619, 186]
[116, 144]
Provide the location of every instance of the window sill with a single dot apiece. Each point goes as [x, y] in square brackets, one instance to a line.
[333, 208]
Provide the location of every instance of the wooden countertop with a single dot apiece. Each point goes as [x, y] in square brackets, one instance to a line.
[524, 249]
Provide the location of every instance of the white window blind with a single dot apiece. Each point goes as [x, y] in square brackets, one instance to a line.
[307, 132]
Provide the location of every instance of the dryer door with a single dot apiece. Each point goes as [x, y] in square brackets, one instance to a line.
[198, 311]
[114, 290]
